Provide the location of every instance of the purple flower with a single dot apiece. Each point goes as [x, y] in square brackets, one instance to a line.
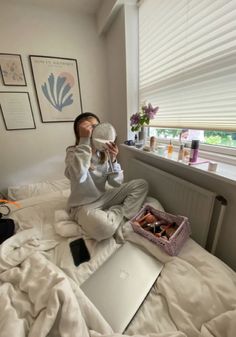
[143, 117]
[135, 119]
[150, 111]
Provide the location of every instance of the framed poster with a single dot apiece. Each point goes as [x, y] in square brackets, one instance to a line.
[16, 110]
[12, 70]
[57, 86]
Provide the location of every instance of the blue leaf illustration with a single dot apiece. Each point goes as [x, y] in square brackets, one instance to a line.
[60, 82]
[68, 101]
[56, 90]
[65, 91]
[46, 94]
[51, 85]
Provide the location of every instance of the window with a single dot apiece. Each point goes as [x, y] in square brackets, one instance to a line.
[187, 53]
[220, 138]
[213, 143]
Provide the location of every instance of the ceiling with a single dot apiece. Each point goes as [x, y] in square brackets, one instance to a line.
[86, 6]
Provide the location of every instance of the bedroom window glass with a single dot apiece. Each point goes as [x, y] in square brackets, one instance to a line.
[187, 53]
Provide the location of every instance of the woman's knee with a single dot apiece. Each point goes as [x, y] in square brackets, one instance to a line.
[141, 184]
[97, 224]
[104, 232]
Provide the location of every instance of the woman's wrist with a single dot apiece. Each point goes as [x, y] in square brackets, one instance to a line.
[84, 140]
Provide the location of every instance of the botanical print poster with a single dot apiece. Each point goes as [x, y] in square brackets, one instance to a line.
[12, 70]
[57, 87]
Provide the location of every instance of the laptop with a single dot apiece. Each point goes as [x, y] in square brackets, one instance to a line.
[120, 285]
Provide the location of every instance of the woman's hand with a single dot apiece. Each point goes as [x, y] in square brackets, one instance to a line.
[113, 150]
[85, 129]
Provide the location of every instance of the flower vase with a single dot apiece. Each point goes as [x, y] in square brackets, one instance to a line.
[141, 135]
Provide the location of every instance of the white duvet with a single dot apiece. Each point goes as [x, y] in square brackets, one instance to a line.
[40, 296]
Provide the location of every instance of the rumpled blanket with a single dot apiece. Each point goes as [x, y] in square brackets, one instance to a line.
[38, 299]
[195, 295]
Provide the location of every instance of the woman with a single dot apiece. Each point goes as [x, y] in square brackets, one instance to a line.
[98, 210]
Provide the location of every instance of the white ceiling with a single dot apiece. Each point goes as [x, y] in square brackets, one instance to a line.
[86, 6]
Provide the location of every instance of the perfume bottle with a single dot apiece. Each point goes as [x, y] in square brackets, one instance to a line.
[153, 142]
[186, 153]
[170, 149]
[194, 151]
[181, 153]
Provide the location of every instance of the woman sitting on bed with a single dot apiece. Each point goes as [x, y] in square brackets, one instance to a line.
[99, 211]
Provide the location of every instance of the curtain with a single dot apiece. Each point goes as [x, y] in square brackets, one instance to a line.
[187, 62]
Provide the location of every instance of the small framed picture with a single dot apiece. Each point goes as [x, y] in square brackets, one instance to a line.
[12, 70]
[57, 86]
[16, 110]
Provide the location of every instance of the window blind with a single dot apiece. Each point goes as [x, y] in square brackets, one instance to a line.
[187, 62]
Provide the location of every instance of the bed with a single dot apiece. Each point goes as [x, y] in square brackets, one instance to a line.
[195, 295]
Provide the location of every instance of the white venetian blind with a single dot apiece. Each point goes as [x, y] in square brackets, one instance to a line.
[188, 62]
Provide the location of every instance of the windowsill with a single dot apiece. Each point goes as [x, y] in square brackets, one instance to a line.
[225, 172]
[212, 152]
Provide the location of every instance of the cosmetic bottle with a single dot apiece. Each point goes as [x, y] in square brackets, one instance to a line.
[186, 153]
[153, 142]
[170, 149]
[194, 151]
[181, 152]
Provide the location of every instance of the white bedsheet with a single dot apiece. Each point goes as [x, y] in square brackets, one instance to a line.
[40, 295]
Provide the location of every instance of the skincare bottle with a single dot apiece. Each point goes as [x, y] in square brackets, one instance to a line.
[186, 153]
[170, 150]
[181, 152]
[194, 151]
[153, 142]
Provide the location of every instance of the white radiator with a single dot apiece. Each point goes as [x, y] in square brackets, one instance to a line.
[184, 198]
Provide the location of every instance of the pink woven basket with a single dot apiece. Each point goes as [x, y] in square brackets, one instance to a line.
[176, 241]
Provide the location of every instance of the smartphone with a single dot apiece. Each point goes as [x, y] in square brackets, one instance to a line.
[79, 251]
[7, 229]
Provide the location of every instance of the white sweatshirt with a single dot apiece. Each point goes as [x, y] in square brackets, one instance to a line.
[87, 177]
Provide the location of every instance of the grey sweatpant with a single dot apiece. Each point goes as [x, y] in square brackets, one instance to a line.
[100, 219]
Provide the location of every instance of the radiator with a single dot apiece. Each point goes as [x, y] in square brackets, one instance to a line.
[204, 208]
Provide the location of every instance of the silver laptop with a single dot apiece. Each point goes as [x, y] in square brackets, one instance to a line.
[119, 286]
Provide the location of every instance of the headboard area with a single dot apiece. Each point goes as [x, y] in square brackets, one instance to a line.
[177, 196]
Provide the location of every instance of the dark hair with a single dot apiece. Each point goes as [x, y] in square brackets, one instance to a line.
[80, 118]
[84, 116]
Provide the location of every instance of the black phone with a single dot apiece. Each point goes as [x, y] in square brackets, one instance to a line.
[7, 229]
[79, 251]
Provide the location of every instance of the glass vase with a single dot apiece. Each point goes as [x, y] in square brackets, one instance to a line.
[140, 138]
[142, 135]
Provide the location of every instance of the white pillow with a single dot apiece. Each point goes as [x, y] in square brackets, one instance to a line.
[40, 188]
[154, 203]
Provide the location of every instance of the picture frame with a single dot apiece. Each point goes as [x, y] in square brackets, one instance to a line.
[12, 70]
[57, 86]
[16, 110]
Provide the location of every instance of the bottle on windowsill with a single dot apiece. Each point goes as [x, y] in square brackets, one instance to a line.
[186, 153]
[194, 151]
[169, 149]
[181, 153]
[153, 143]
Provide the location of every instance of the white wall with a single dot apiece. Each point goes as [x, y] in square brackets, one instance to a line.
[116, 57]
[122, 57]
[106, 14]
[32, 155]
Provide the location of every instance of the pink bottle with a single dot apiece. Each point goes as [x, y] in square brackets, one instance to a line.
[194, 151]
